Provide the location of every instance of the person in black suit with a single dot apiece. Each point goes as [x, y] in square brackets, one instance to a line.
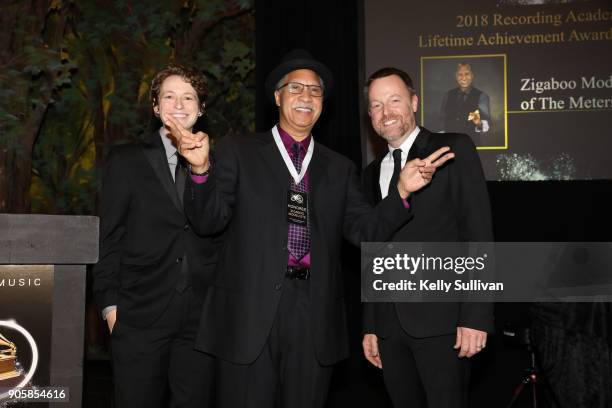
[275, 314]
[413, 342]
[154, 269]
[465, 109]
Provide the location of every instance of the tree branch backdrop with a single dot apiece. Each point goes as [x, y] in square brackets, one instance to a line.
[74, 81]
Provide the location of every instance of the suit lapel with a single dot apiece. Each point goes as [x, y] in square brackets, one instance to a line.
[420, 147]
[319, 178]
[273, 160]
[318, 175]
[376, 179]
[156, 155]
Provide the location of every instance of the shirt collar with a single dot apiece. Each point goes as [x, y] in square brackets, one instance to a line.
[167, 141]
[407, 144]
[288, 140]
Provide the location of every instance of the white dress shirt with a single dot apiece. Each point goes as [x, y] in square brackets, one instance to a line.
[386, 166]
[171, 152]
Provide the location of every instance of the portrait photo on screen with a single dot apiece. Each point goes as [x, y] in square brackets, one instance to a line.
[466, 94]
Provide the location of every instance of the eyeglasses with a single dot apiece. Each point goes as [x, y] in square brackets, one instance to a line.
[298, 87]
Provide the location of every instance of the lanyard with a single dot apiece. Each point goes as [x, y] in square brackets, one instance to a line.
[281, 147]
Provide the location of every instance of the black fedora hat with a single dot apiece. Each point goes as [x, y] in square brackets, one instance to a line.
[293, 60]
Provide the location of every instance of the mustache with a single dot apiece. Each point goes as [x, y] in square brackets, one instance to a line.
[304, 106]
[386, 118]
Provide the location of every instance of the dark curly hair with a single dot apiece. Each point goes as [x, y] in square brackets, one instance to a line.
[197, 79]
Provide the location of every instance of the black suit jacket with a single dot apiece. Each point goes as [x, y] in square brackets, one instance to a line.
[145, 236]
[454, 207]
[247, 194]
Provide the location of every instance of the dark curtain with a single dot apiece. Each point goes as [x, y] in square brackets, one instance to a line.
[329, 31]
[573, 345]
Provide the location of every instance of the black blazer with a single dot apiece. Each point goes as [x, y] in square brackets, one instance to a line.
[247, 194]
[145, 236]
[454, 207]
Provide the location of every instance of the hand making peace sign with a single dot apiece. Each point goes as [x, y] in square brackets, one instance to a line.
[417, 173]
[195, 148]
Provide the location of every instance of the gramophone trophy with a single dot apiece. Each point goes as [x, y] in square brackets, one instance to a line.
[8, 359]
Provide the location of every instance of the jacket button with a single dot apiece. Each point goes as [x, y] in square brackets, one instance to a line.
[283, 248]
[179, 260]
[278, 286]
[186, 227]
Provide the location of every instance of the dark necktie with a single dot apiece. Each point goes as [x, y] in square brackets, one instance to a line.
[397, 167]
[179, 176]
[299, 235]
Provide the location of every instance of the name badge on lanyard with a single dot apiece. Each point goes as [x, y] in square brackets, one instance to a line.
[297, 207]
[297, 202]
[283, 152]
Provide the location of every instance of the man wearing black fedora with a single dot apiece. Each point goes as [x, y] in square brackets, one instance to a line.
[274, 315]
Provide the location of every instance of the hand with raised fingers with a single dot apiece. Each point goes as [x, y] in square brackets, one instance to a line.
[417, 173]
[195, 148]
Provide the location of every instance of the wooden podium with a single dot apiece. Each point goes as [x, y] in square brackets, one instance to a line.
[69, 243]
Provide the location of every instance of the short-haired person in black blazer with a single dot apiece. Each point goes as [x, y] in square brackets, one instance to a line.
[154, 269]
[275, 314]
[423, 348]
